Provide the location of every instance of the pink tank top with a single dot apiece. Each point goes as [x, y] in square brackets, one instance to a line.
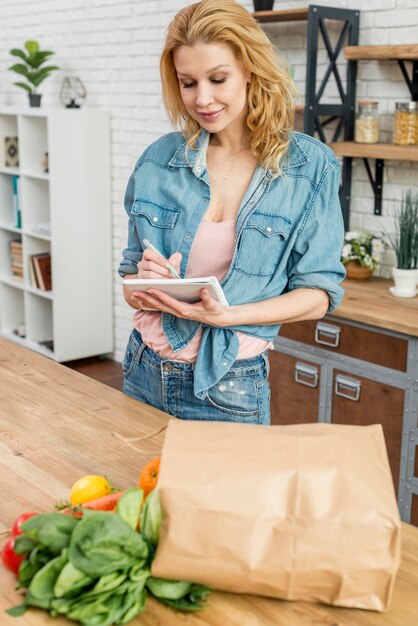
[211, 255]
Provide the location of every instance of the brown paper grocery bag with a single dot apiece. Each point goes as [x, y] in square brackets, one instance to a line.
[305, 512]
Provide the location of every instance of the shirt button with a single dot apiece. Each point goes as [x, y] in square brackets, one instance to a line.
[155, 219]
[252, 202]
[187, 236]
[269, 229]
[198, 169]
[225, 363]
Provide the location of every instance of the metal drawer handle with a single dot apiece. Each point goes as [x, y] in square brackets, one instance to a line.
[306, 375]
[327, 334]
[347, 387]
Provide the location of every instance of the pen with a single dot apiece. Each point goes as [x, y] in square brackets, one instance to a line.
[170, 268]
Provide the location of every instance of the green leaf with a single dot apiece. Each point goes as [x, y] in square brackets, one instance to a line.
[129, 506]
[40, 57]
[103, 543]
[19, 53]
[42, 585]
[31, 46]
[52, 530]
[24, 86]
[168, 589]
[17, 611]
[70, 581]
[39, 76]
[150, 518]
[19, 68]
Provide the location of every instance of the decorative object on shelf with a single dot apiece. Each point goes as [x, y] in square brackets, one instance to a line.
[367, 122]
[10, 152]
[263, 5]
[362, 253]
[73, 92]
[31, 69]
[405, 130]
[45, 163]
[405, 245]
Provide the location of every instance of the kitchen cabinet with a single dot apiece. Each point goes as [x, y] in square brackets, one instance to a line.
[358, 366]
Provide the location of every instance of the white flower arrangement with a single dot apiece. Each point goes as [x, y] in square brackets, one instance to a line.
[364, 247]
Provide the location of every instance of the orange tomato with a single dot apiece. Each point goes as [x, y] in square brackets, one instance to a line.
[148, 477]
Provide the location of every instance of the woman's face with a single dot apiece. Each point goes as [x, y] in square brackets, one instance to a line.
[213, 85]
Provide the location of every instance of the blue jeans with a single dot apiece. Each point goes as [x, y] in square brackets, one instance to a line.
[242, 395]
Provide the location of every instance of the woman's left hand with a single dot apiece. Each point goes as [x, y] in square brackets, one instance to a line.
[207, 310]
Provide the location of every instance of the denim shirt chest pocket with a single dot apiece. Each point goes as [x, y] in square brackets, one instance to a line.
[155, 221]
[262, 243]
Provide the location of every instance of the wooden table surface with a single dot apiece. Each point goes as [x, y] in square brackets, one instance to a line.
[57, 425]
[370, 301]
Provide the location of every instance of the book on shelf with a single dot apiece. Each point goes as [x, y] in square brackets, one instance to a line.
[16, 201]
[16, 259]
[42, 270]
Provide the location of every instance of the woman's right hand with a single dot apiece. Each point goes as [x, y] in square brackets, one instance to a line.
[153, 265]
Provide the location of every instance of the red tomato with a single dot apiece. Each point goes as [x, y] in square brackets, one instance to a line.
[17, 526]
[9, 558]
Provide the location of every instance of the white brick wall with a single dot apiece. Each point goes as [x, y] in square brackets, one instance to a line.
[114, 48]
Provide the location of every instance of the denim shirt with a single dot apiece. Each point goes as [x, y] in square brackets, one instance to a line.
[289, 234]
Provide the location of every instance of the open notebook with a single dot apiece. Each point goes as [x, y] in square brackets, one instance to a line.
[185, 289]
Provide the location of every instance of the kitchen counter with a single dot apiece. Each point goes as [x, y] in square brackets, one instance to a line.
[371, 302]
[57, 425]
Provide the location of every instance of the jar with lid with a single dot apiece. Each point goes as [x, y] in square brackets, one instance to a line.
[405, 130]
[367, 122]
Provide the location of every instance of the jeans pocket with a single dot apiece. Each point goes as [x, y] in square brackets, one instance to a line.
[132, 354]
[236, 398]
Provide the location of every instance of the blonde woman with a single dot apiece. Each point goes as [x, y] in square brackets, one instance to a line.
[237, 194]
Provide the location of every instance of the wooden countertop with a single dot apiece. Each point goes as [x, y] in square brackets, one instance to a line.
[56, 425]
[371, 302]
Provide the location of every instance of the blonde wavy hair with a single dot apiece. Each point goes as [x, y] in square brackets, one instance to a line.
[270, 93]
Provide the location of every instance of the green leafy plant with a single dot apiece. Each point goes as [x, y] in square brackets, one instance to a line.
[33, 58]
[405, 240]
[362, 246]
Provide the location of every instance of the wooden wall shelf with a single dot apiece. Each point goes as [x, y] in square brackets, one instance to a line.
[375, 151]
[286, 15]
[403, 52]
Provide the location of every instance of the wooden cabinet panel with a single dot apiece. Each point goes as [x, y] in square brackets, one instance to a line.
[359, 343]
[377, 404]
[414, 510]
[293, 402]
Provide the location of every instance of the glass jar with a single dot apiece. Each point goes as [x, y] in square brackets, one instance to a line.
[405, 130]
[367, 122]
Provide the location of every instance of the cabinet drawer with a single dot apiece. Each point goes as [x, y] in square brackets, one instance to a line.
[361, 402]
[359, 343]
[294, 385]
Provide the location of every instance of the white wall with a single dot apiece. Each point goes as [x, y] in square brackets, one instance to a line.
[114, 48]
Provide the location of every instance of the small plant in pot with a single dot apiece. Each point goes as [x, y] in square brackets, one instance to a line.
[30, 67]
[361, 253]
[405, 245]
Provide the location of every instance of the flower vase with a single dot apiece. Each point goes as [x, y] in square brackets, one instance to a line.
[356, 271]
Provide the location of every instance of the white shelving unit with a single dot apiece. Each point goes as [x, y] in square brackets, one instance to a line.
[74, 319]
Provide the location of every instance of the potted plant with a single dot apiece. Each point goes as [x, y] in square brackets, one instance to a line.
[405, 245]
[361, 253]
[32, 60]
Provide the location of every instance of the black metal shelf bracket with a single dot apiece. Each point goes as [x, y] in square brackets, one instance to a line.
[318, 115]
[412, 84]
[376, 183]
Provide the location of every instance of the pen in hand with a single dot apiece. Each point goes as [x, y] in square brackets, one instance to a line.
[170, 268]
